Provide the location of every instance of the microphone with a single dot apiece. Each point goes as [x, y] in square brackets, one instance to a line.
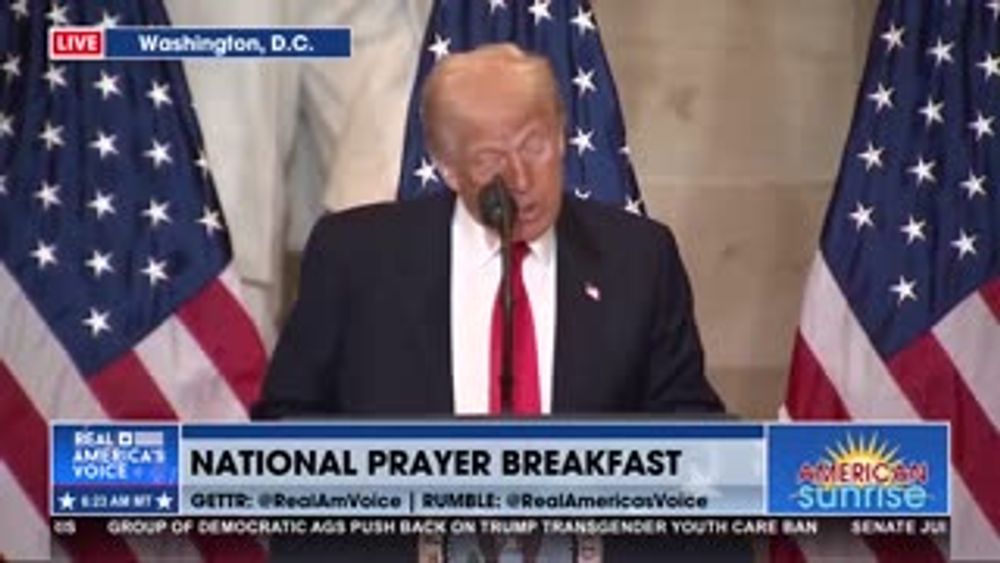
[499, 211]
[497, 207]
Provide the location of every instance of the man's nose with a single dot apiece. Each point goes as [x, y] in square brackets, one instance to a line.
[516, 174]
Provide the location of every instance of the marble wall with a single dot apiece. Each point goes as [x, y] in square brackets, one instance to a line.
[736, 112]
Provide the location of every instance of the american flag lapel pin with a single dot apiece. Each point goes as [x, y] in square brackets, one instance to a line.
[592, 291]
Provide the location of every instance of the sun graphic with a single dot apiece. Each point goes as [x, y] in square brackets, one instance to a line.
[865, 463]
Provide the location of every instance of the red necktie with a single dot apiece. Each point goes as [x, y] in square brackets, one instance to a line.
[525, 396]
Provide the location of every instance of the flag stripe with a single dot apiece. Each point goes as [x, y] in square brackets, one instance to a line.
[92, 542]
[23, 436]
[228, 337]
[910, 549]
[31, 542]
[991, 295]
[187, 378]
[811, 388]
[38, 361]
[970, 334]
[933, 384]
[971, 534]
[782, 549]
[854, 368]
[127, 391]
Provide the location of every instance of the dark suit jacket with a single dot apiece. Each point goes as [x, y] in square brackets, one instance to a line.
[370, 333]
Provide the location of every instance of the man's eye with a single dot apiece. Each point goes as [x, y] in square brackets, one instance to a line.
[534, 147]
[486, 162]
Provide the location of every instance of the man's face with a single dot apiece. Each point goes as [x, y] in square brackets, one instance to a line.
[520, 138]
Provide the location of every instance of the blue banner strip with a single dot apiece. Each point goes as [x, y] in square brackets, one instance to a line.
[162, 43]
[520, 430]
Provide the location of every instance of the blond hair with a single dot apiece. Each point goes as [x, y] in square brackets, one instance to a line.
[492, 62]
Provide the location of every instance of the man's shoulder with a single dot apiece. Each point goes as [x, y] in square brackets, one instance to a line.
[611, 225]
[385, 221]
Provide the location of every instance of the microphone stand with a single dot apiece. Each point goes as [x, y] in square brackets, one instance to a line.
[507, 302]
[499, 212]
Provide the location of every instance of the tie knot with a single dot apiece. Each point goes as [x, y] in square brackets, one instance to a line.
[518, 251]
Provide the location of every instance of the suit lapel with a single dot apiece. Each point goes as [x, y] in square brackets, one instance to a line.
[578, 310]
[428, 269]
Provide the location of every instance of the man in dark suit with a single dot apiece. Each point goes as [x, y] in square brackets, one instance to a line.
[396, 312]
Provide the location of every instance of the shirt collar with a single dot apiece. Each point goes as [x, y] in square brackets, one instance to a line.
[482, 244]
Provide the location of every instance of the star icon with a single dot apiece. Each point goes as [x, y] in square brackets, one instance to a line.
[6, 125]
[158, 93]
[48, 194]
[994, 6]
[157, 213]
[862, 216]
[11, 66]
[583, 20]
[108, 19]
[51, 135]
[990, 66]
[584, 81]
[57, 15]
[210, 220]
[426, 172]
[633, 206]
[99, 263]
[982, 125]
[882, 97]
[45, 254]
[104, 144]
[107, 85]
[155, 270]
[540, 10]
[872, 156]
[965, 244]
[67, 501]
[97, 322]
[55, 76]
[893, 37]
[102, 204]
[932, 112]
[974, 185]
[440, 48]
[164, 501]
[160, 154]
[582, 141]
[914, 230]
[20, 8]
[924, 171]
[202, 162]
[941, 52]
[497, 4]
[904, 289]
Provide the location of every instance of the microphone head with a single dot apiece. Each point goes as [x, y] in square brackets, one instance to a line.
[496, 206]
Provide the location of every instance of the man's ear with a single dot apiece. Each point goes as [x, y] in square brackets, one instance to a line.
[447, 174]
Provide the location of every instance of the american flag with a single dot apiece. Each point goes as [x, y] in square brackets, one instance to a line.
[597, 164]
[117, 296]
[900, 319]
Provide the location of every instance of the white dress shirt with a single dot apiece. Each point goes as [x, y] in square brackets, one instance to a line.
[475, 277]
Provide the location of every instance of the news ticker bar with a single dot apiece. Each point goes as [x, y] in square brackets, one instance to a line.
[754, 526]
[176, 43]
[500, 469]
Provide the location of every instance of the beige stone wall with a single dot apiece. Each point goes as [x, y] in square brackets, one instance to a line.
[736, 112]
